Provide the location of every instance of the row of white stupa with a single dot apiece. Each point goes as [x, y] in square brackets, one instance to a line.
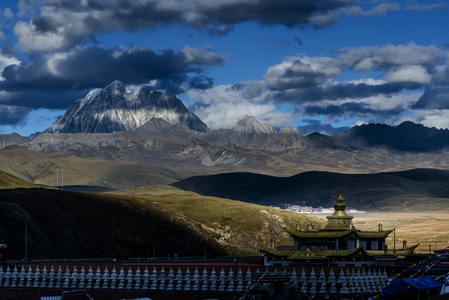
[234, 280]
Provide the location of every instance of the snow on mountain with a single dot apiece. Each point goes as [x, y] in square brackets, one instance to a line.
[116, 108]
[249, 124]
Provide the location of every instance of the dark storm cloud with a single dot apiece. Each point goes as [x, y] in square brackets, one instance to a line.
[341, 91]
[12, 115]
[44, 24]
[86, 68]
[301, 73]
[350, 108]
[57, 18]
[200, 82]
[298, 76]
[409, 67]
[15, 106]
[290, 13]
[34, 99]
[434, 98]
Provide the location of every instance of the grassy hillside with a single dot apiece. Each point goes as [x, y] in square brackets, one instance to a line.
[235, 224]
[8, 181]
[52, 169]
[150, 221]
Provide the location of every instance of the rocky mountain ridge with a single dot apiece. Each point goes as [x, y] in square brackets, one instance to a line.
[163, 132]
[217, 151]
[249, 124]
[122, 113]
[116, 108]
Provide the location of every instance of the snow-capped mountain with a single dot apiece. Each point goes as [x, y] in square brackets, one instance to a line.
[116, 108]
[249, 124]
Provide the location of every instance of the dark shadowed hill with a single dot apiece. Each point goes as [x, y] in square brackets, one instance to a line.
[144, 222]
[407, 136]
[413, 189]
[63, 224]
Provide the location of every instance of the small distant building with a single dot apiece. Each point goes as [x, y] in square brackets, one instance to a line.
[338, 243]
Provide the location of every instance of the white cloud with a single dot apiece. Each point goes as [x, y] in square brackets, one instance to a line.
[380, 9]
[388, 56]
[30, 40]
[367, 81]
[430, 118]
[311, 87]
[7, 13]
[53, 61]
[410, 73]
[389, 103]
[201, 56]
[225, 105]
[425, 7]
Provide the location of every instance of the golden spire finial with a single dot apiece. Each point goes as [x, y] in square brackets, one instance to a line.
[339, 219]
[339, 206]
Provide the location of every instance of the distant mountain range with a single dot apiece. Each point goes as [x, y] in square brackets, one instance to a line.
[116, 108]
[407, 136]
[149, 127]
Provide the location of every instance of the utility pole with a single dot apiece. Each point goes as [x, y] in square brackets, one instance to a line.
[394, 240]
[26, 243]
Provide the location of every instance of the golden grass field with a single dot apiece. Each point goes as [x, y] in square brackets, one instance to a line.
[429, 229]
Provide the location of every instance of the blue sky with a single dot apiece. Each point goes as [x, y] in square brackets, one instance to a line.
[322, 65]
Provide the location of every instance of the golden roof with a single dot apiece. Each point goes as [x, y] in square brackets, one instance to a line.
[340, 233]
[326, 254]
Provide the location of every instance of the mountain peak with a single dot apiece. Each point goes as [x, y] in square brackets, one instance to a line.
[249, 124]
[116, 83]
[115, 109]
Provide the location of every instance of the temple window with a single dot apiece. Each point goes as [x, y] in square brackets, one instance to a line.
[351, 244]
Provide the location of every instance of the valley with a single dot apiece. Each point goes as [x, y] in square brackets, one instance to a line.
[167, 180]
